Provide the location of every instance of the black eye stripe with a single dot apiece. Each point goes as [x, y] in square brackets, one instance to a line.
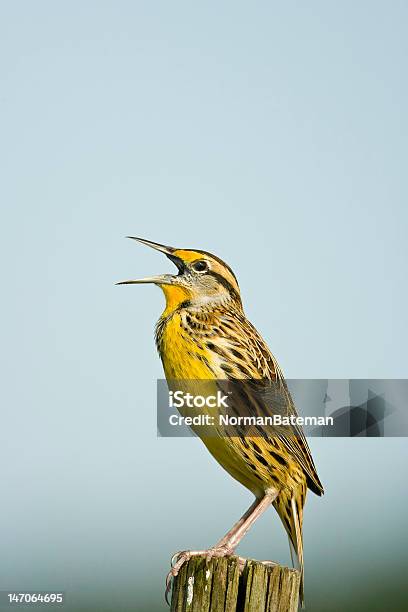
[223, 281]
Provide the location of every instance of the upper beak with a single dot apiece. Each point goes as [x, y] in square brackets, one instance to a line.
[167, 250]
[162, 279]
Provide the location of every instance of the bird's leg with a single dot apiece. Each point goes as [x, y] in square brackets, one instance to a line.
[229, 542]
[231, 539]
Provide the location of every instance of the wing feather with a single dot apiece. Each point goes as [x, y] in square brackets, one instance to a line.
[247, 356]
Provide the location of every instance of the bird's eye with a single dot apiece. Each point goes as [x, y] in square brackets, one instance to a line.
[200, 266]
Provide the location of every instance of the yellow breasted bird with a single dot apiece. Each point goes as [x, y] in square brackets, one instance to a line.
[203, 334]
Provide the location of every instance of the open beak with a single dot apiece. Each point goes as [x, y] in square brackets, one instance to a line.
[161, 279]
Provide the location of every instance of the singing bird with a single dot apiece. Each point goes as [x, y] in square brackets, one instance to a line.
[203, 334]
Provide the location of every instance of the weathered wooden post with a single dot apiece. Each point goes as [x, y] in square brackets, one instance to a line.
[220, 586]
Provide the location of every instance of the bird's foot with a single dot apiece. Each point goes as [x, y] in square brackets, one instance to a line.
[181, 557]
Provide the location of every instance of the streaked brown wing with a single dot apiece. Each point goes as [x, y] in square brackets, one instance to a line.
[258, 362]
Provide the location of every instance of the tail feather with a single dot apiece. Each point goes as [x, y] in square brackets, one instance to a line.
[297, 538]
[293, 554]
[289, 506]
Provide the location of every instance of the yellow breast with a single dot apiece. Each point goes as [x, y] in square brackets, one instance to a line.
[182, 357]
[182, 360]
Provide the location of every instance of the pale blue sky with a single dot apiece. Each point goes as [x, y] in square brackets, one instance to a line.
[274, 135]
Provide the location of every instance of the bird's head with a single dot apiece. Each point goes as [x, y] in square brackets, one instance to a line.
[202, 278]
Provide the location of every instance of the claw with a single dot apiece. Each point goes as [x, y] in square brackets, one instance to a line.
[177, 560]
[175, 557]
[169, 579]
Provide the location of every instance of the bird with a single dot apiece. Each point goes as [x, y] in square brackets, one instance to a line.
[204, 334]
